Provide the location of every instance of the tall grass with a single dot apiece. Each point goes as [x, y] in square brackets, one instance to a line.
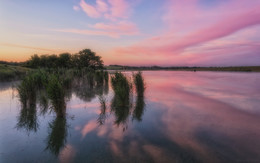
[121, 86]
[27, 91]
[56, 95]
[43, 102]
[29, 86]
[121, 104]
[139, 83]
[54, 86]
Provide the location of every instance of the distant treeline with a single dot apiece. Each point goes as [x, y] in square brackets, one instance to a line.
[12, 63]
[83, 59]
[235, 68]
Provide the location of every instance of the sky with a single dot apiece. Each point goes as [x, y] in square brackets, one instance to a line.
[134, 32]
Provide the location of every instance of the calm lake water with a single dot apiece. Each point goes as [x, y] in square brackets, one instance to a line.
[184, 117]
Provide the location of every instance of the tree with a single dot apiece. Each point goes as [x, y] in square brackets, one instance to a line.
[84, 59]
[87, 58]
[64, 60]
[34, 61]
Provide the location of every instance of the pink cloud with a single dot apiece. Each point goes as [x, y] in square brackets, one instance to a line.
[90, 10]
[221, 29]
[119, 9]
[110, 9]
[90, 126]
[115, 11]
[67, 154]
[101, 6]
[189, 26]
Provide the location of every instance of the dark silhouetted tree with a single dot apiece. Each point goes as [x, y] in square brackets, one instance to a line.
[84, 59]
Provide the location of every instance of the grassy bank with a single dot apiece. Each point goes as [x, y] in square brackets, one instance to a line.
[10, 72]
[142, 68]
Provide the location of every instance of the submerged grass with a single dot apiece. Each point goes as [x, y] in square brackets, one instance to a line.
[34, 83]
[121, 86]
[121, 104]
[29, 86]
[27, 91]
[56, 95]
[53, 86]
[139, 83]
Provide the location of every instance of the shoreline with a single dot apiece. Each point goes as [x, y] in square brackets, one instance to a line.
[194, 69]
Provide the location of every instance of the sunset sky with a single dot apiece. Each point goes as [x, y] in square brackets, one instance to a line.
[134, 32]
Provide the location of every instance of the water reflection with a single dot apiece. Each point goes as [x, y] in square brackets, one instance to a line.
[139, 108]
[43, 103]
[121, 107]
[54, 97]
[182, 117]
[87, 87]
[103, 108]
[27, 118]
[57, 135]
[122, 102]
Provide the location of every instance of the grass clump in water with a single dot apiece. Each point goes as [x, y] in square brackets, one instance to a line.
[27, 91]
[56, 95]
[121, 104]
[121, 86]
[139, 83]
[29, 86]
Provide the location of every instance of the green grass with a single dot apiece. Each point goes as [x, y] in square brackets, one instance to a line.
[139, 83]
[52, 87]
[121, 85]
[9, 72]
[56, 95]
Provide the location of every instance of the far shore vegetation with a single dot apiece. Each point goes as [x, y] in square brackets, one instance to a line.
[184, 68]
[87, 59]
